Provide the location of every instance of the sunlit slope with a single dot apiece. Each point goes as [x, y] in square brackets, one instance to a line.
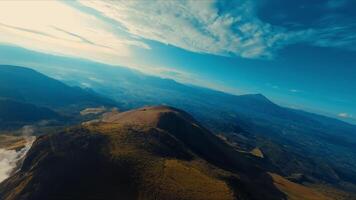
[148, 153]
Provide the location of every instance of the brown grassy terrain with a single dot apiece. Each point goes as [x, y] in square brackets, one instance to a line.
[257, 152]
[297, 191]
[124, 159]
[12, 142]
[174, 177]
[149, 153]
[333, 192]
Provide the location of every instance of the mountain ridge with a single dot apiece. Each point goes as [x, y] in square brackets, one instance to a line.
[30, 86]
[28, 97]
[138, 154]
[282, 135]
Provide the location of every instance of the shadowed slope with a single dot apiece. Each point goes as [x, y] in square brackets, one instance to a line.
[27, 85]
[15, 114]
[149, 153]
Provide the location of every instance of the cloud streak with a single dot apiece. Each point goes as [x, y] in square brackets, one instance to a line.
[344, 115]
[294, 90]
[11, 159]
[197, 26]
[57, 28]
[334, 31]
[217, 27]
[227, 28]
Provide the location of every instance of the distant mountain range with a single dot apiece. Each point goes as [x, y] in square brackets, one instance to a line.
[17, 114]
[245, 119]
[306, 148]
[297, 143]
[33, 87]
[27, 97]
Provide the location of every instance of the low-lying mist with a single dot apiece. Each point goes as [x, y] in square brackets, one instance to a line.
[11, 159]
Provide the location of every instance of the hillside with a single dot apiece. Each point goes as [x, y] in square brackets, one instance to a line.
[294, 141]
[319, 147]
[28, 97]
[14, 114]
[27, 85]
[148, 153]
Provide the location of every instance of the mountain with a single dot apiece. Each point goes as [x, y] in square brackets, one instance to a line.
[294, 141]
[29, 97]
[316, 148]
[148, 153]
[27, 85]
[18, 114]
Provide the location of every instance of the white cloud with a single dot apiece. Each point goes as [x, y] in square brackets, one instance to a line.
[200, 26]
[294, 90]
[55, 27]
[272, 86]
[344, 115]
[339, 36]
[197, 26]
[9, 159]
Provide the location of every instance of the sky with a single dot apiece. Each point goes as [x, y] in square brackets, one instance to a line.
[299, 53]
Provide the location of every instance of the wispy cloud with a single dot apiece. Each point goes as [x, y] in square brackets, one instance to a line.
[334, 31]
[198, 26]
[229, 28]
[213, 28]
[272, 86]
[57, 28]
[294, 90]
[345, 115]
[10, 159]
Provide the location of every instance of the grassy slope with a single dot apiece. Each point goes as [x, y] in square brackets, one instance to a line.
[296, 191]
[132, 156]
[12, 142]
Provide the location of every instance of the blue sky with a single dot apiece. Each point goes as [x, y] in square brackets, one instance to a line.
[298, 53]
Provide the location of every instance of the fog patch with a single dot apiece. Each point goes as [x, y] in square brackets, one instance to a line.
[10, 160]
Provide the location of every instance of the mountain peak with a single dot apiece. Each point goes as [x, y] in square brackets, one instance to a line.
[257, 96]
[149, 115]
[156, 150]
[255, 100]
